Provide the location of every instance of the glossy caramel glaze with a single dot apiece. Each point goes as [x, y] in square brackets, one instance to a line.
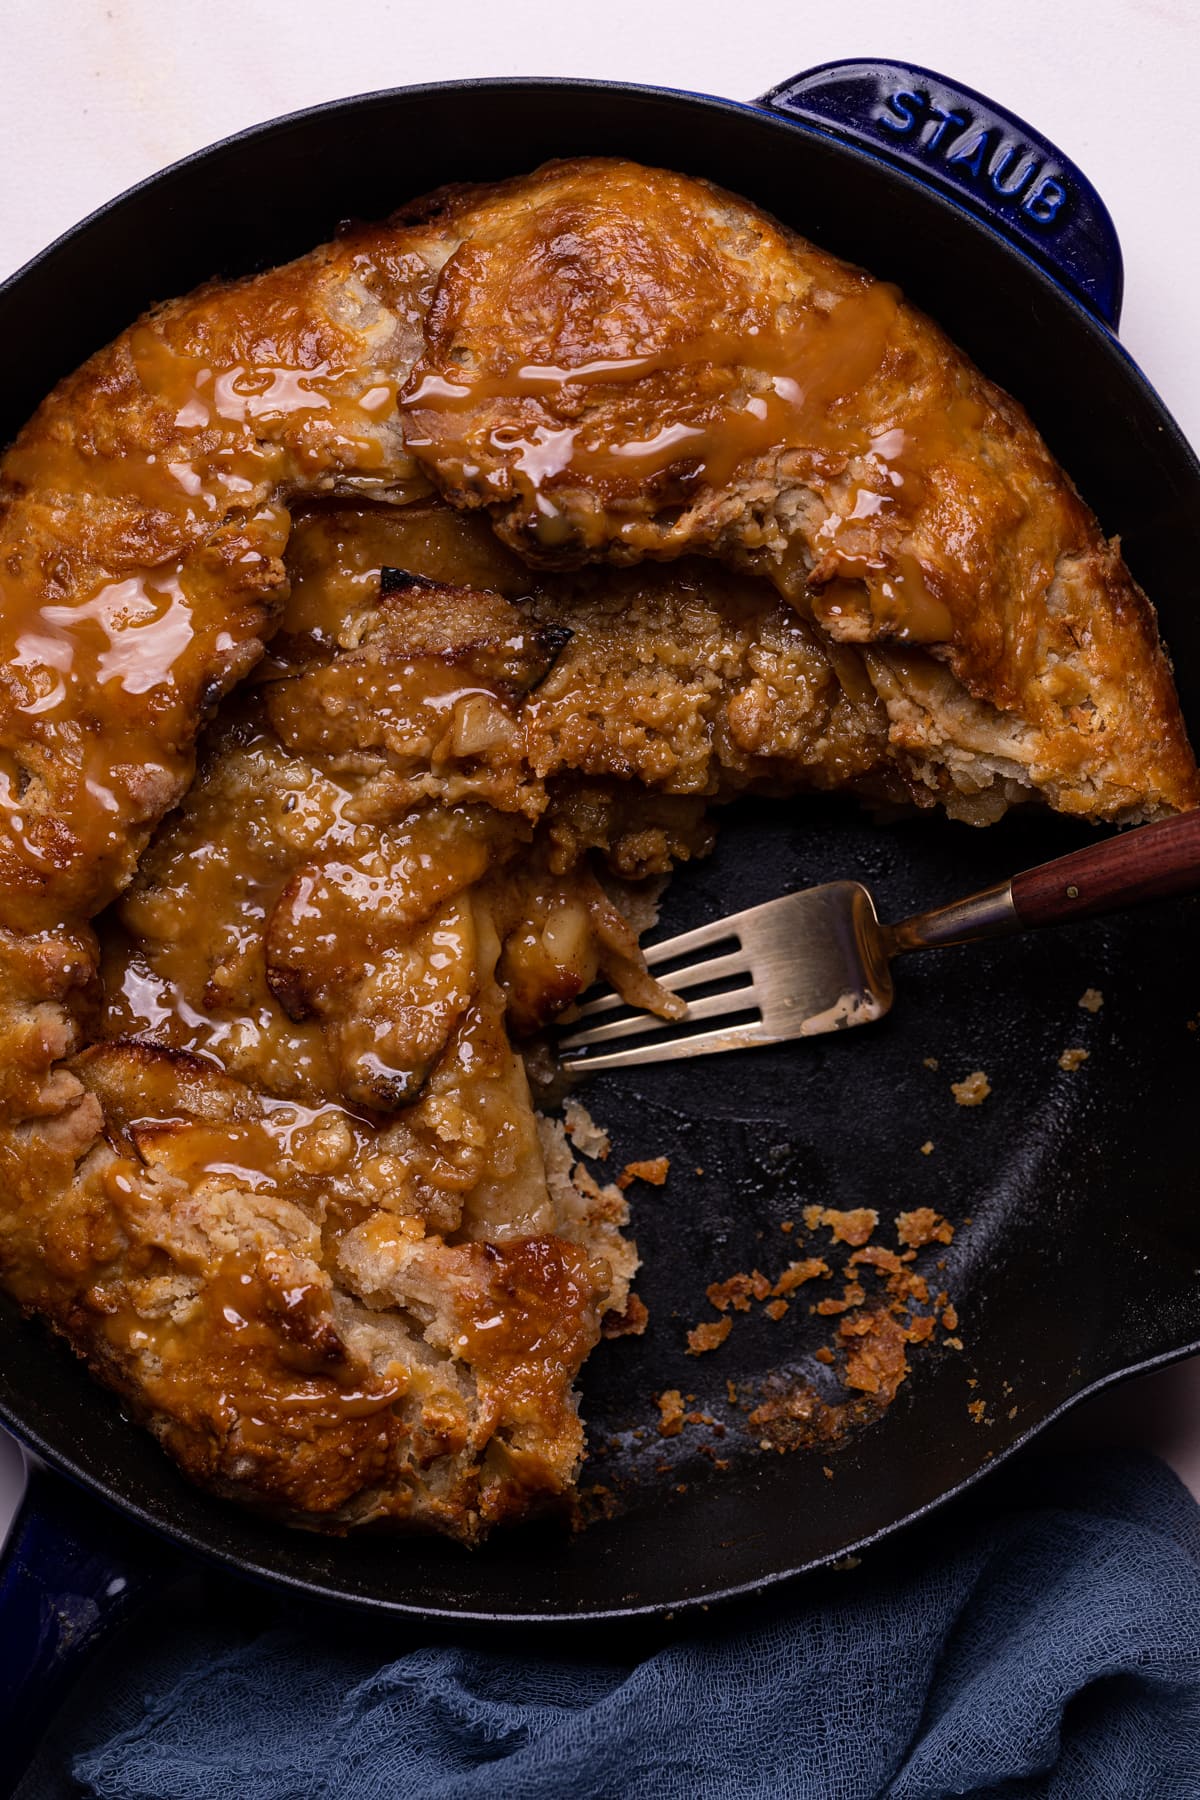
[268, 1157]
[617, 363]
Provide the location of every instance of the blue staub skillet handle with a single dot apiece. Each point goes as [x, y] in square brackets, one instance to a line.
[986, 159]
[72, 1570]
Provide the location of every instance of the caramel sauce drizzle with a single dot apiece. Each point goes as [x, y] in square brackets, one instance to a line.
[210, 432]
[257, 1355]
[789, 384]
[104, 663]
[701, 410]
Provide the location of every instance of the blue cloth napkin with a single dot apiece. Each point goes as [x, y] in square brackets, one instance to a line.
[1044, 1640]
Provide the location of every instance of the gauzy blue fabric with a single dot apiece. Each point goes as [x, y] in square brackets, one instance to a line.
[1044, 1640]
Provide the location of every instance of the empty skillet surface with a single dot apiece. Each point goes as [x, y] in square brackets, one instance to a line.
[1080, 1259]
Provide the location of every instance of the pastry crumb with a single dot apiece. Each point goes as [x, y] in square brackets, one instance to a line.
[927, 1147]
[875, 1362]
[738, 1291]
[670, 1406]
[972, 1090]
[923, 1226]
[1091, 1000]
[854, 1295]
[654, 1170]
[797, 1273]
[1073, 1059]
[588, 1137]
[708, 1335]
[874, 1326]
[931, 1062]
[853, 1227]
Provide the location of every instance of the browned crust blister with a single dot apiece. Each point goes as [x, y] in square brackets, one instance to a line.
[622, 370]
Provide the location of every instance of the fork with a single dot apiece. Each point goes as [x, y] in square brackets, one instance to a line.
[819, 960]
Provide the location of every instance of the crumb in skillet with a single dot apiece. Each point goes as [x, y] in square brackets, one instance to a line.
[875, 1326]
[973, 1090]
[852, 1295]
[876, 1363]
[588, 1138]
[654, 1170]
[734, 1292]
[886, 1261]
[797, 1273]
[923, 1226]
[670, 1406]
[1091, 1000]
[1070, 1060]
[927, 1147]
[853, 1227]
[708, 1335]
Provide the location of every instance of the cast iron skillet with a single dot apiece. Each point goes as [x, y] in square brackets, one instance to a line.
[1078, 1263]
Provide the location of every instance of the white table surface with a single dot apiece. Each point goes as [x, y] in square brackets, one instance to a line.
[99, 95]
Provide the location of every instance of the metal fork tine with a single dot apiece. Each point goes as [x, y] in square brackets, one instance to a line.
[810, 962]
[712, 1007]
[702, 1043]
[700, 939]
[675, 983]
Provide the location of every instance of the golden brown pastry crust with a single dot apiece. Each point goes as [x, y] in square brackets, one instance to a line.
[145, 504]
[741, 394]
[619, 365]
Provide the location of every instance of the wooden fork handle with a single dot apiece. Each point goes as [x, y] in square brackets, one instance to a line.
[1152, 863]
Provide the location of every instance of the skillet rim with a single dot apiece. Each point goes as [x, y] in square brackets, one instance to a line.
[375, 1606]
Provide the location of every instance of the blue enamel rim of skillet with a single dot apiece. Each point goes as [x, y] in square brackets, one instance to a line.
[1088, 320]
